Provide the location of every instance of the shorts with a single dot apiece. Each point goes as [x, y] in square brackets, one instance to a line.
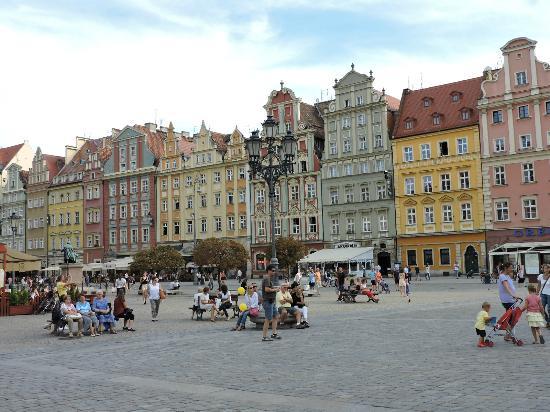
[311, 284]
[269, 309]
[292, 310]
[480, 332]
[507, 305]
[373, 282]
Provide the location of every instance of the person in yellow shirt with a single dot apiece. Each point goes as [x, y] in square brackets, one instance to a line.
[318, 281]
[62, 286]
[283, 301]
[482, 319]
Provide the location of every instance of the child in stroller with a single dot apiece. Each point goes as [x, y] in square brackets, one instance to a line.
[385, 287]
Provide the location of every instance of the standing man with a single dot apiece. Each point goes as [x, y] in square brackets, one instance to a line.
[318, 281]
[455, 268]
[428, 277]
[340, 276]
[268, 295]
[120, 285]
[417, 271]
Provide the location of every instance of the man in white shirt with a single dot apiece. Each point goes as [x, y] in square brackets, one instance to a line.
[544, 288]
[120, 284]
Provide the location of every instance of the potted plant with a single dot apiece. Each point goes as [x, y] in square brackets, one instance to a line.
[20, 302]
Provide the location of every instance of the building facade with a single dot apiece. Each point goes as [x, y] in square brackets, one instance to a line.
[14, 199]
[357, 191]
[437, 166]
[44, 168]
[298, 209]
[203, 189]
[515, 141]
[129, 187]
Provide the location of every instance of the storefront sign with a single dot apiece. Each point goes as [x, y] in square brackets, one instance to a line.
[532, 232]
[532, 264]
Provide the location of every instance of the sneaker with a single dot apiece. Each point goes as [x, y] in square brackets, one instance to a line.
[541, 339]
[481, 345]
[306, 324]
[267, 339]
[301, 326]
[275, 336]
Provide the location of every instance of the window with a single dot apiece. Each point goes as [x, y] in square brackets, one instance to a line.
[523, 112]
[277, 227]
[407, 154]
[230, 198]
[112, 237]
[465, 114]
[464, 177]
[164, 184]
[242, 222]
[361, 119]
[425, 151]
[444, 256]
[428, 215]
[134, 210]
[500, 175]
[310, 190]
[521, 78]
[525, 141]
[409, 186]
[144, 185]
[366, 225]
[133, 235]
[230, 223]
[189, 202]
[165, 229]
[466, 211]
[428, 257]
[378, 141]
[176, 183]
[123, 236]
[497, 116]
[411, 216]
[436, 119]
[443, 149]
[164, 207]
[261, 228]
[260, 195]
[411, 257]
[332, 148]
[229, 174]
[383, 222]
[145, 235]
[363, 142]
[123, 188]
[218, 224]
[89, 195]
[217, 199]
[346, 122]
[359, 100]
[365, 195]
[202, 179]
[332, 171]
[189, 226]
[547, 106]
[204, 225]
[409, 124]
[204, 200]
[445, 182]
[349, 194]
[333, 196]
[242, 173]
[530, 208]
[380, 191]
[123, 213]
[277, 193]
[499, 144]
[167, 166]
[348, 169]
[501, 209]
[350, 223]
[217, 177]
[447, 213]
[380, 165]
[335, 226]
[312, 224]
[242, 196]
[426, 102]
[347, 146]
[176, 203]
[112, 212]
[528, 172]
[427, 184]
[462, 145]
[294, 192]
[133, 186]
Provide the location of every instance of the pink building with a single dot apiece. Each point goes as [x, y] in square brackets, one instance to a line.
[515, 142]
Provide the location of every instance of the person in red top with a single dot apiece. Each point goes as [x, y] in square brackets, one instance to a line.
[535, 318]
[122, 311]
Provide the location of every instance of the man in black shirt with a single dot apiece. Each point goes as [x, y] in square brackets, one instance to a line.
[268, 295]
[341, 275]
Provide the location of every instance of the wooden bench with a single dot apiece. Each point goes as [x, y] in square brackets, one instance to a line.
[290, 321]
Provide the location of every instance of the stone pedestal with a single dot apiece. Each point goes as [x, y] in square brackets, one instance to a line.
[73, 272]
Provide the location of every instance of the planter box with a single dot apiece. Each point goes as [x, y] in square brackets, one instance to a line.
[21, 310]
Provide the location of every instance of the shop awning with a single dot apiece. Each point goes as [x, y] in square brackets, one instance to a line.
[21, 262]
[119, 264]
[509, 248]
[340, 255]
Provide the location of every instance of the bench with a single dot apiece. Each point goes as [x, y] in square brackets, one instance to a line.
[290, 321]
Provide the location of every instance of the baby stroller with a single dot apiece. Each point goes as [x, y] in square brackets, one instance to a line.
[373, 296]
[47, 304]
[507, 322]
[385, 287]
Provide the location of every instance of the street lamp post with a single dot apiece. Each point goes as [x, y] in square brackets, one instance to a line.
[13, 218]
[271, 156]
[388, 177]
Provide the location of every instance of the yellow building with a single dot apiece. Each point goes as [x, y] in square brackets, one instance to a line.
[66, 204]
[202, 190]
[437, 178]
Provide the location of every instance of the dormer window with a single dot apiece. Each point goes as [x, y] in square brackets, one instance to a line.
[409, 124]
[436, 119]
[465, 114]
[427, 102]
[455, 97]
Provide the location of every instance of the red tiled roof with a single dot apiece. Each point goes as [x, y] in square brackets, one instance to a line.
[78, 162]
[185, 146]
[393, 102]
[220, 140]
[412, 107]
[54, 164]
[8, 153]
[24, 176]
[155, 140]
[310, 115]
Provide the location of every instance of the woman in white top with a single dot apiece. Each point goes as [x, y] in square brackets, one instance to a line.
[153, 293]
[207, 304]
[251, 301]
[544, 290]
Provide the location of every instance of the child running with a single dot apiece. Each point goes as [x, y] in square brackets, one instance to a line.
[482, 319]
[535, 312]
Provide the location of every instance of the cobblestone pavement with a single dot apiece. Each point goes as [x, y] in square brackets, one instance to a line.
[395, 355]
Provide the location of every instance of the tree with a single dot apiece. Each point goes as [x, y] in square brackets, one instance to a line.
[157, 259]
[289, 252]
[224, 254]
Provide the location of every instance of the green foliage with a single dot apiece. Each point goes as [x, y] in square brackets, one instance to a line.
[224, 254]
[74, 293]
[289, 252]
[157, 259]
[19, 297]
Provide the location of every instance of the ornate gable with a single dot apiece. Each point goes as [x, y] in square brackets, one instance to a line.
[427, 200]
[410, 202]
[445, 199]
[464, 196]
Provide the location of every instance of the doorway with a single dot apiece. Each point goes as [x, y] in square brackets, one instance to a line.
[384, 261]
[471, 261]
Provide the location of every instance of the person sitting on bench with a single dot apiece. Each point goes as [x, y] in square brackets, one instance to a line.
[283, 300]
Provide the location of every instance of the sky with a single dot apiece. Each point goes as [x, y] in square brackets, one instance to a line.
[82, 67]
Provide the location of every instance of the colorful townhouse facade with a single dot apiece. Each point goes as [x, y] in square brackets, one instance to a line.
[357, 198]
[44, 168]
[298, 206]
[203, 189]
[66, 203]
[515, 141]
[129, 190]
[437, 166]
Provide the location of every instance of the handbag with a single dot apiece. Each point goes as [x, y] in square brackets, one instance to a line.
[162, 294]
[254, 312]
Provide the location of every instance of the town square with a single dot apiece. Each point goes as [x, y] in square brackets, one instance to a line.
[255, 206]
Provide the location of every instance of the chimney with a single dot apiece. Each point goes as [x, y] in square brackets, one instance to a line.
[70, 151]
[151, 126]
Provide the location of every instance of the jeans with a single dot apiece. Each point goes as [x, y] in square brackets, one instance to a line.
[155, 303]
[270, 310]
[90, 321]
[545, 300]
[242, 318]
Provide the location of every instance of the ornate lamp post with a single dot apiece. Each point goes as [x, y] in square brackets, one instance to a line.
[13, 218]
[271, 156]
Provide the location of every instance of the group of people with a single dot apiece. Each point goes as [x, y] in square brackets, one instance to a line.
[313, 276]
[536, 304]
[214, 303]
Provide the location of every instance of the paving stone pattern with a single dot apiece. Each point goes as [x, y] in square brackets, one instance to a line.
[355, 357]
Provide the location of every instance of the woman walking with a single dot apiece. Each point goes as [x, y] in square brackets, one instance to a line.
[402, 283]
[544, 290]
[143, 287]
[154, 292]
